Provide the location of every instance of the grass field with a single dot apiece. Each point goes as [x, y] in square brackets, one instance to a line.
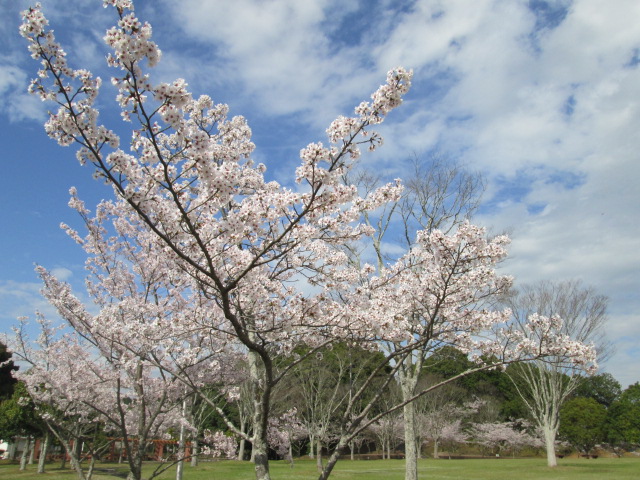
[477, 469]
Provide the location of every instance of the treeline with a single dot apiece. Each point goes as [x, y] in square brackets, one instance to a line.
[484, 409]
[483, 412]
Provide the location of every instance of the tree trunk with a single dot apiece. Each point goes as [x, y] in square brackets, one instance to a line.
[260, 456]
[261, 402]
[195, 451]
[92, 464]
[135, 464]
[43, 452]
[291, 454]
[410, 447]
[312, 444]
[32, 451]
[435, 449]
[550, 444]
[241, 449]
[243, 442]
[77, 449]
[319, 455]
[181, 452]
[333, 459]
[408, 377]
[181, 443]
[25, 454]
[75, 463]
[352, 448]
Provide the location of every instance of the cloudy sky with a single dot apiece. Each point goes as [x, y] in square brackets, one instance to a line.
[541, 97]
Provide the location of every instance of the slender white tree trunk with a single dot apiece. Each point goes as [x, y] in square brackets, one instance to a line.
[243, 442]
[44, 448]
[181, 445]
[408, 378]
[550, 444]
[291, 454]
[410, 444]
[319, 455]
[92, 465]
[260, 456]
[32, 451]
[195, 451]
[70, 451]
[312, 445]
[25, 454]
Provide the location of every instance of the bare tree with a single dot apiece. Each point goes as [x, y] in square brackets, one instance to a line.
[544, 385]
[439, 194]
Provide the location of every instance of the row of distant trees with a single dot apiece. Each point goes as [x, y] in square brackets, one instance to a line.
[488, 409]
[484, 409]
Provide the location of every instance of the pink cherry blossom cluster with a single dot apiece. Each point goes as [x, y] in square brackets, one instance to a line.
[283, 431]
[499, 436]
[218, 444]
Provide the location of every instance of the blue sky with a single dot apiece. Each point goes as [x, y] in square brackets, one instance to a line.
[542, 97]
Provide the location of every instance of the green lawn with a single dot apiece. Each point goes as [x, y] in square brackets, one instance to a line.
[485, 469]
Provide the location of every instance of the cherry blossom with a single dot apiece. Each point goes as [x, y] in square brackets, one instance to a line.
[199, 257]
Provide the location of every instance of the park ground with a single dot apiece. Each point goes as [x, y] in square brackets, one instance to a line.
[469, 469]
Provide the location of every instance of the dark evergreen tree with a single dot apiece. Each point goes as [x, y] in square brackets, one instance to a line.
[7, 380]
[18, 414]
[623, 422]
[603, 388]
[582, 423]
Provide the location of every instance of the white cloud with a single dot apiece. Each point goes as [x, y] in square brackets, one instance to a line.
[16, 103]
[280, 53]
[61, 273]
[20, 299]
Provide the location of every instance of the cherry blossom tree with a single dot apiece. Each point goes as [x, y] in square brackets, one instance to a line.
[386, 432]
[50, 391]
[439, 195]
[442, 420]
[284, 431]
[238, 238]
[452, 435]
[429, 299]
[229, 244]
[133, 344]
[77, 390]
[141, 331]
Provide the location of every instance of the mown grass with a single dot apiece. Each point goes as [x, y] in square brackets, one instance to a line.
[472, 469]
